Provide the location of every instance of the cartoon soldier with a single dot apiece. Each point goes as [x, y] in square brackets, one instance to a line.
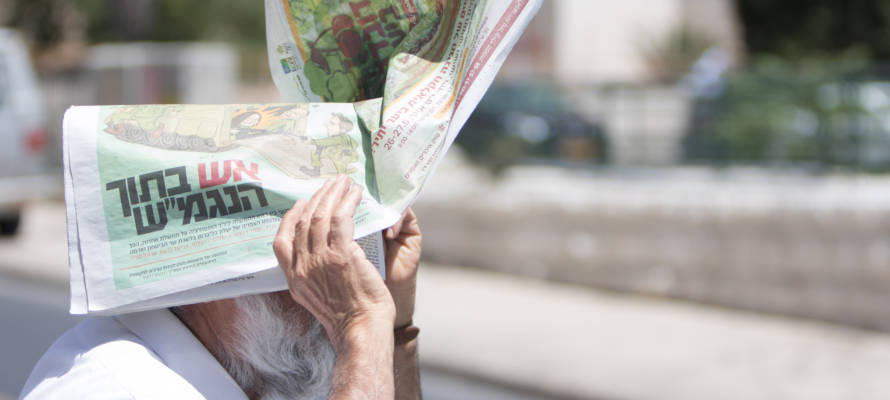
[243, 124]
[338, 147]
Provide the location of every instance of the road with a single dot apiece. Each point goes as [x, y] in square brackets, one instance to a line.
[34, 302]
[565, 341]
[34, 314]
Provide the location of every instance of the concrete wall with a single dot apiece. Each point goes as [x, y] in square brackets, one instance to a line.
[644, 125]
[598, 41]
[786, 244]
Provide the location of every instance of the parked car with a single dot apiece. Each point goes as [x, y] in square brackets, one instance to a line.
[25, 169]
[516, 122]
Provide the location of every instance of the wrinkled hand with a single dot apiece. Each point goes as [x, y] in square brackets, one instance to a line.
[327, 272]
[403, 245]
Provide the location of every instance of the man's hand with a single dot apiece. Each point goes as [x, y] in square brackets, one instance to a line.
[403, 244]
[403, 241]
[327, 272]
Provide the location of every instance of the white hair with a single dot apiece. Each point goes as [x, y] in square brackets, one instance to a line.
[274, 355]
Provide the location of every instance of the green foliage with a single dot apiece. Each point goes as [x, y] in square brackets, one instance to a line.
[43, 22]
[234, 21]
[811, 93]
[825, 112]
[672, 56]
[800, 29]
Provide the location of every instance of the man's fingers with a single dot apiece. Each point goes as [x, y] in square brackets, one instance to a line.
[319, 233]
[394, 231]
[283, 244]
[408, 216]
[342, 225]
[308, 212]
[403, 225]
[304, 222]
[410, 226]
[313, 202]
[289, 221]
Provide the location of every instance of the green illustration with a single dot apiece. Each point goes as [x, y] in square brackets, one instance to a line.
[338, 147]
[167, 212]
[347, 45]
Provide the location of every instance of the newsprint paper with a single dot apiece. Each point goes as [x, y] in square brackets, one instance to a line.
[177, 204]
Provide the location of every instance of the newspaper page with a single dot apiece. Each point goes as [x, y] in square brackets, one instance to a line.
[208, 211]
[175, 204]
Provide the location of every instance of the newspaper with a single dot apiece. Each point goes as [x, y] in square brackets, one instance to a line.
[177, 204]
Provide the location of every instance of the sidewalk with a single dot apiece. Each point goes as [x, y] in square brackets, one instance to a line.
[568, 342]
[561, 341]
[39, 250]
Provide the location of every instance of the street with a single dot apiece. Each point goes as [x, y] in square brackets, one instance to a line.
[34, 314]
[34, 304]
[487, 335]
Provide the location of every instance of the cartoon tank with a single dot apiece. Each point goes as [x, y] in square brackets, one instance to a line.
[174, 127]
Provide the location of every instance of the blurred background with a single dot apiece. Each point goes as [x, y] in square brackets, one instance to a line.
[671, 199]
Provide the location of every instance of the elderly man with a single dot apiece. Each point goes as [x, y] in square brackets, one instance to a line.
[339, 332]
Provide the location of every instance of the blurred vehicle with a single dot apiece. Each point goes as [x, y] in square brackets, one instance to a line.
[530, 121]
[24, 163]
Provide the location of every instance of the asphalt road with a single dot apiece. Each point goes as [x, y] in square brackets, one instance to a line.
[34, 314]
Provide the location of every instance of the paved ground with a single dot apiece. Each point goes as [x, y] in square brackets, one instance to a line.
[558, 341]
[39, 250]
[34, 302]
[34, 314]
[578, 343]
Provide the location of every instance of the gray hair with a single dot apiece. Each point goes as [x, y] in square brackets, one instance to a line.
[274, 354]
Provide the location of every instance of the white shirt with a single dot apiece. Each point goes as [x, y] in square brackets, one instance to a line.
[146, 355]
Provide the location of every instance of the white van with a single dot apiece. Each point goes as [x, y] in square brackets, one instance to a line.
[25, 170]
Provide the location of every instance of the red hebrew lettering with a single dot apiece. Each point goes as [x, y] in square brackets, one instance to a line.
[216, 178]
[357, 12]
[374, 28]
[391, 10]
[240, 168]
[375, 47]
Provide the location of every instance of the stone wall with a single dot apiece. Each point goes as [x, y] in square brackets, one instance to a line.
[789, 244]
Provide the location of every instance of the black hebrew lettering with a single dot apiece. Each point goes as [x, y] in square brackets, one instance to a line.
[219, 205]
[196, 207]
[232, 191]
[152, 224]
[122, 193]
[131, 186]
[145, 179]
[258, 191]
[183, 186]
[191, 201]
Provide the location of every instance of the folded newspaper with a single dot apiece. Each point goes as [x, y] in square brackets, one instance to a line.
[177, 204]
